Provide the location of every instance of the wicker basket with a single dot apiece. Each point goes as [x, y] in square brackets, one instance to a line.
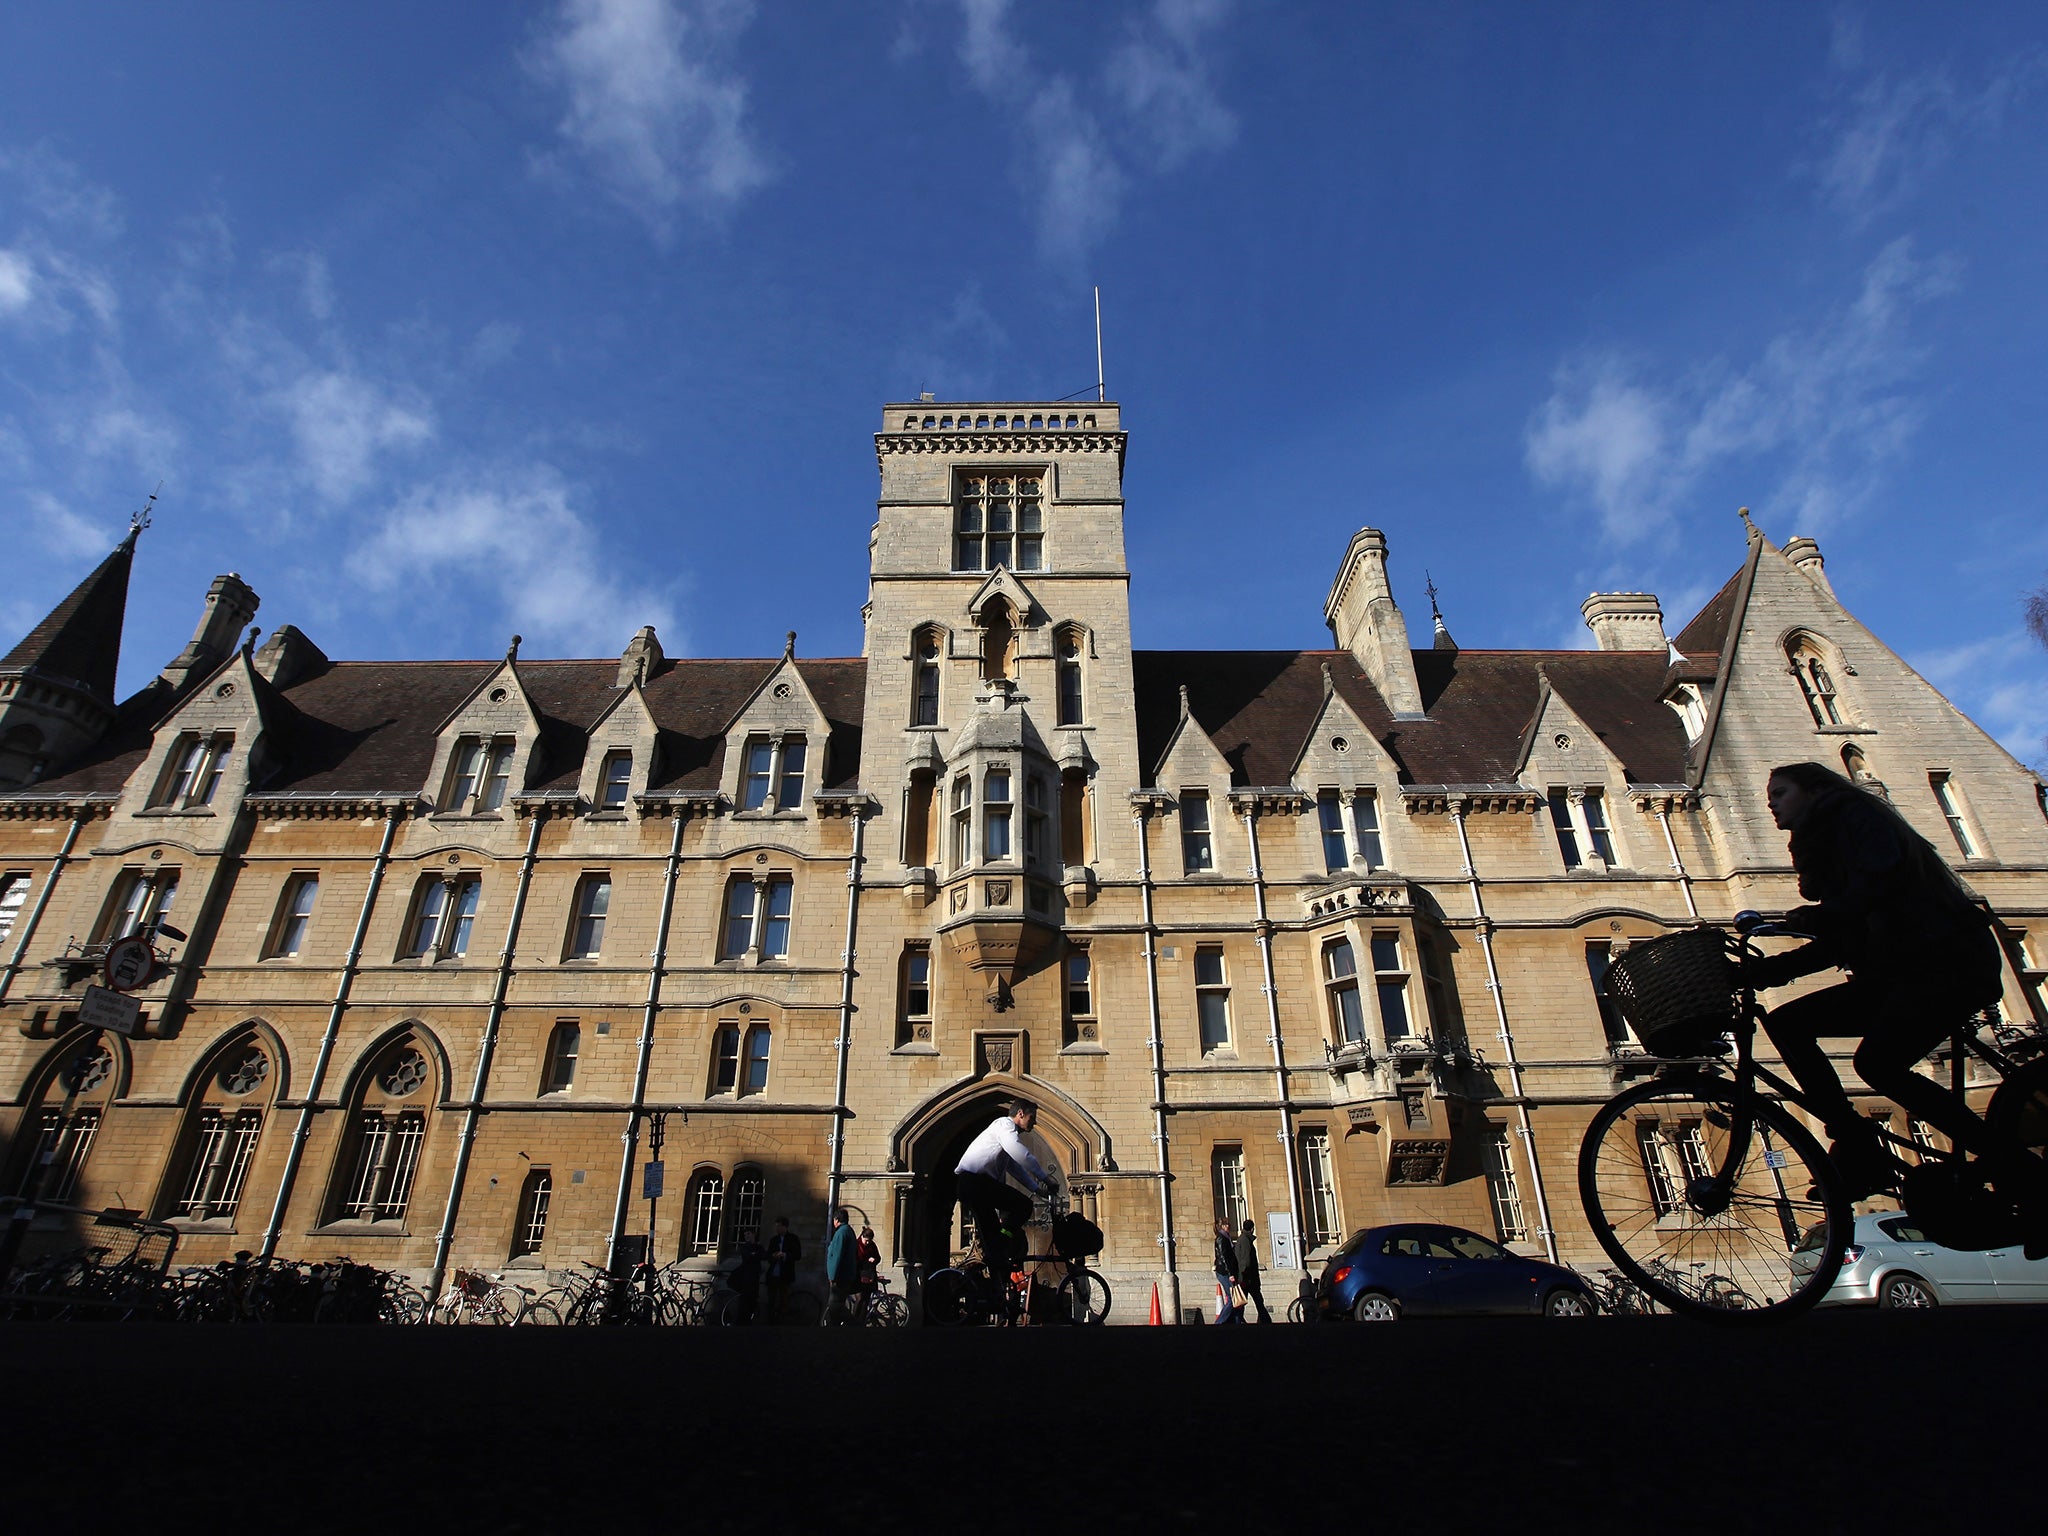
[1677, 992]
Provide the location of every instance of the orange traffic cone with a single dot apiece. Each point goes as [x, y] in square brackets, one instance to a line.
[1155, 1319]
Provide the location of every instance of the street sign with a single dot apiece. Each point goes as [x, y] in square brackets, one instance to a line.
[650, 1185]
[101, 1009]
[129, 963]
[1773, 1158]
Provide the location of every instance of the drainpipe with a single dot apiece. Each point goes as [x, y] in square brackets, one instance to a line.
[1507, 1039]
[1286, 1132]
[1159, 1136]
[631, 1138]
[35, 914]
[1677, 863]
[853, 867]
[392, 816]
[485, 1050]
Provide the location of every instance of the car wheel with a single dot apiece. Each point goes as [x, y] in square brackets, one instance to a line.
[1902, 1291]
[1566, 1302]
[1375, 1307]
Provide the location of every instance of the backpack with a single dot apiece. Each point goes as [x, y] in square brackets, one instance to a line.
[1074, 1236]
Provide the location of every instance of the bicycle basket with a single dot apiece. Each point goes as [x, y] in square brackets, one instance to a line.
[1677, 992]
[1074, 1236]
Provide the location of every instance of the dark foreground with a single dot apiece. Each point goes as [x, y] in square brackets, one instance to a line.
[1864, 1421]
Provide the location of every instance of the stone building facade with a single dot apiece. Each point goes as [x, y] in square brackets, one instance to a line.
[1311, 937]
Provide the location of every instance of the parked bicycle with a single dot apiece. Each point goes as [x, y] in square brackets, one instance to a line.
[1701, 1173]
[475, 1297]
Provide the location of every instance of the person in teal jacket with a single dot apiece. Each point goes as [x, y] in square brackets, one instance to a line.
[842, 1269]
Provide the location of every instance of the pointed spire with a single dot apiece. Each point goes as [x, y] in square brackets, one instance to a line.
[1443, 640]
[80, 640]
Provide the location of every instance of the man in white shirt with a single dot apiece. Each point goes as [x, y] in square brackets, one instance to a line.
[983, 1189]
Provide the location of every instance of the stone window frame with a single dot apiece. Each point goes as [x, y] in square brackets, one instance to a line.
[530, 1215]
[1197, 857]
[564, 1052]
[776, 798]
[1070, 673]
[1817, 667]
[614, 792]
[377, 1165]
[489, 774]
[589, 915]
[290, 928]
[123, 914]
[220, 1133]
[759, 916]
[1336, 986]
[927, 667]
[193, 770]
[1579, 832]
[1322, 1211]
[914, 1027]
[981, 509]
[1080, 1000]
[15, 884]
[1953, 805]
[1218, 993]
[451, 923]
[1359, 827]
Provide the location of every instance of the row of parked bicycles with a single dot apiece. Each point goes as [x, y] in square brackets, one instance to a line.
[647, 1297]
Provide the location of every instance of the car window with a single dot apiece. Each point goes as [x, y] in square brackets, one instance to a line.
[1437, 1248]
[1470, 1245]
[1355, 1244]
[1816, 1239]
[1405, 1245]
[1902, 1228]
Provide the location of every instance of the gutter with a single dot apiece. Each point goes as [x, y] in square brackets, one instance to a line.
[631, 1138]
[1159, 1107]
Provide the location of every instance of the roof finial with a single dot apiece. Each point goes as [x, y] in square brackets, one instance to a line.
[639, 670]
[512, 650]
[249, 640]
[139, 520]
[1329, 681]
[1754, 531]
[1184, 700]
[1442, 640]
[789, 646]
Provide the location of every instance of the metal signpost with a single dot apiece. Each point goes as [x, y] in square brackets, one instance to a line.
[652, 1174]
[129, 963]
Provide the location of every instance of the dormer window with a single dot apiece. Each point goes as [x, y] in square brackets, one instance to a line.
[772, 775]
[197, 763]
[1579, 818]
[479, 774]
[615, 781]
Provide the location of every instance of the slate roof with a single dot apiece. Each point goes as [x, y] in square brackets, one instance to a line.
[1709, 627]
[80, 639]
[1258, 706]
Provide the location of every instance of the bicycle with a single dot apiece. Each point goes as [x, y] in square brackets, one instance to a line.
[970, 1293]
[1704, 1166]
[885, 1309]
[476, 1297]
[1618, 1296]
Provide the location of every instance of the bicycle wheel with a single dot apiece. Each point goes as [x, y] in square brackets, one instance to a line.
[1297, 1310]
[540, 1314]
[888, 1312]
[1675, 1180]
[1083, 1298]
[948, 1298]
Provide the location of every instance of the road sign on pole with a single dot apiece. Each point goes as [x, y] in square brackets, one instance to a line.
[129, 964]
[651, 1177]
[101, 1009]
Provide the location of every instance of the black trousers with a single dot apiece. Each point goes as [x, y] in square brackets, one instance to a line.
[1899, 1022]
[1250, 1281]
[995, 1205]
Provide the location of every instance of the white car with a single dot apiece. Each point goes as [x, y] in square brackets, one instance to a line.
[1892, 1263]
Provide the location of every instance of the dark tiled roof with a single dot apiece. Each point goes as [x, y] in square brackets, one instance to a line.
[1257, 706]
[1709, 627]
[81, 638]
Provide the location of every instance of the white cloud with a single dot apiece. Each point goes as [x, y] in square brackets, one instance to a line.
[1157, 81]
[1886, 132]
[1820, 410]
[62, 532]
[516, 535]
[341, 423]
[2001, 682]
[651, 103]
[17, 281]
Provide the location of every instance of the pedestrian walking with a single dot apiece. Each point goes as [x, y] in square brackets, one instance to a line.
[1248, 1270]
[745, 1278]
[785, 1249]
[842, 1270]
[870, 1271]
[1227, 1308]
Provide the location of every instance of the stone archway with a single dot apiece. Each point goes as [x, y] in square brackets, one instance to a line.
[933, 1140]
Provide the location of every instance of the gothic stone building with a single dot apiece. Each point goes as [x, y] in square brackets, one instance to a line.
[1311, 936]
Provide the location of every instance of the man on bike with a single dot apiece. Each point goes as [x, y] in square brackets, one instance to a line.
[1000, 1211]
[1922, 959]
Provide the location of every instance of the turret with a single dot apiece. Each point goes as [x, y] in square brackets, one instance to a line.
[1367, 622]
[230, 604]
[1626, 621]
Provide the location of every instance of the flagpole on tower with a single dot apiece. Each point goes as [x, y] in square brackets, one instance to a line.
[1099, 393]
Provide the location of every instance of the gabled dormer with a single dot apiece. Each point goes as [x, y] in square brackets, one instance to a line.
[1353, 779]
[485, 749]
[219, 743]
[619, 761]
[775, 745]
[1563, 759]
[1195, 773]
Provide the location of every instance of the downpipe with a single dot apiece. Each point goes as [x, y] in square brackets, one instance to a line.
[1507, 1039]
[648, 1013]
[1677, 863]
[1286, 1132]
[304, 1128]
[485, 1051]
[846, 972]
[1159, 1134]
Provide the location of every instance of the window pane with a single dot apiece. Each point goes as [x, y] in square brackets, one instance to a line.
[1394, 1008]
[1208, 967]
[1386, 952]
[298, 915]
[791, 795]
[739, 918]
[998, 829]
[618, 778]
[1561, 820]
[997, 787]
[1213, 1010]
[757, 1060]
[917, 983]
[1350, 1016]
[465, 914]
[1365, 810]
[775, 932]
[754, 790]
[1332, 816]
[1340, 961]
[727, 1073]
[500, 776]
[1596, 826]
[463, 784]
[216, 765]
[592, 909]
[432, 903]
[1030, 552]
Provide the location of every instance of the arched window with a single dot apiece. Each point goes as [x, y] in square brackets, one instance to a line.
[1816, 680]
[66, 1120]
[749, 1198]
[703, 1212]
[924, 683]
[739, 1058]
[210, 1161]
[1067, 657]
[380, 1153]
[563, 1047]
[530, 1226]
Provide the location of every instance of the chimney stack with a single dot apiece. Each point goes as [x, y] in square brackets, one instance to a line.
[1626, 621]
[640, 659]
[1805, 554]
[1367, 622]
[230, 606]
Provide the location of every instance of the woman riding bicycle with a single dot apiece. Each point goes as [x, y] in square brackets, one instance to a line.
[1921, 956]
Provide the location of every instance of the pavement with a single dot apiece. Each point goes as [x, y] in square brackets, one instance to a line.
[1838, 1421]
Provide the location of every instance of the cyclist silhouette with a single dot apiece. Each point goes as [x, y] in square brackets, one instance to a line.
[1922, 958]
[1001, 1211]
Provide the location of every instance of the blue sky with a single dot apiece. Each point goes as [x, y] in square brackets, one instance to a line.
[441, 322]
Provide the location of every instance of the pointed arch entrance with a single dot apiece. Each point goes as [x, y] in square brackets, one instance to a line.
[930, 1141]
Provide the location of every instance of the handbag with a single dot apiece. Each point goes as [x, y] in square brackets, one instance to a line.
[1237, 1296]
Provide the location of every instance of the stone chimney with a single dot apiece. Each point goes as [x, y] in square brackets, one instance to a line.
[1366, 621]
[1805, 554]
[230, 604]
[640, 658]
[1626, 621]
[288, 656]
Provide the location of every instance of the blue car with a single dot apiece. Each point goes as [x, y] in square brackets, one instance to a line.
[1419, 1269]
